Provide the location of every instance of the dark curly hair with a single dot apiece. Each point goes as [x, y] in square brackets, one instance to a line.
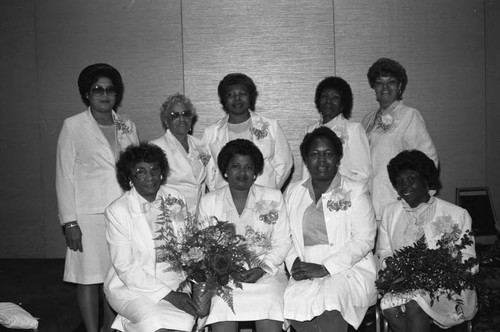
[417, 161]
[133, 154]
[233, 79]
[388, 67]
[242, 147]
[342, 87]
[321, 132]
[91, 74]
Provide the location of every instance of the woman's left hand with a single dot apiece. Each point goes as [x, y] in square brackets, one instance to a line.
[252, 275]
[303, 270]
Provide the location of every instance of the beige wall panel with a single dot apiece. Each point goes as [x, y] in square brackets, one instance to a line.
[21, 210]
[441, 45]
[142, 39]
[492, 28]
[285, 46]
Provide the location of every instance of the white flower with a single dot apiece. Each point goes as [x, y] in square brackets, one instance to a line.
[386, 122]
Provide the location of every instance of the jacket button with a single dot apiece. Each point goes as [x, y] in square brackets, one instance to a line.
[331, 244]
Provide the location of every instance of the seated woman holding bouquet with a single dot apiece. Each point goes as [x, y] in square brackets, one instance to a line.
[333, 232]
[137, 286]
[187, 155]
[259, 214]
[417, 219]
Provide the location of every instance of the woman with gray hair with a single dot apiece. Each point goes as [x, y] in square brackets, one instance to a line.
[187, 155]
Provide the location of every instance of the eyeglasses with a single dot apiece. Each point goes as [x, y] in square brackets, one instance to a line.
[142, 173]
[98, 90]
[184, 114]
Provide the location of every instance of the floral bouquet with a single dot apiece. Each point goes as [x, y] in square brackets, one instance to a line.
[209, 252]
[418, 269]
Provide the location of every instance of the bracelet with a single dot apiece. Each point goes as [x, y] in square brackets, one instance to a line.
[70, 224]
[326, 271]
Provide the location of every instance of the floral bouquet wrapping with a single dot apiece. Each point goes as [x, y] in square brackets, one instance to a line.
[210, 254]
[436, 272]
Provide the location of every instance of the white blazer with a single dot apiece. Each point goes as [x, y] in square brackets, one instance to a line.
[407, 131]
[187, 170]
[278, 160]
[133, 256]
[356, 162]
[85, 166]
[351, 236]
[446, 216]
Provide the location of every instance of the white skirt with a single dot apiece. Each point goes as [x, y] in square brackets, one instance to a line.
[91, 265]
[261, 300]
[145, 315]
[306, 299]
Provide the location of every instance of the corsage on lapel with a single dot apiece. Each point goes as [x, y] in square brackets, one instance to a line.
[123, 126]
[446, 228]
[267, 211]
[259, 129]
[204, 158]
[386, 122]
[171, 209]
[340, 199]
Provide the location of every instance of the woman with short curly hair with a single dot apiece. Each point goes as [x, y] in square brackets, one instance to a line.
[416, 214]
[392, 128]
[87, 149]
[262, 211]
[139, 286]
[187, 155]
[333, 100]
[238, 95]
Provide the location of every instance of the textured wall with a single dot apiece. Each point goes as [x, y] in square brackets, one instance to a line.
[287, 47]
[441, 46]
[21, 208]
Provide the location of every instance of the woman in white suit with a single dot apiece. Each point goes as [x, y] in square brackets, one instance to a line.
[187, 155]
[258, 213]
[238, 94]
[87, 149]
[404, 222]
[333, 229]
[138, 286]
[392, 128]
[333, 101]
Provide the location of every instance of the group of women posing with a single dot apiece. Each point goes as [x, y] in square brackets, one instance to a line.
[323, 229]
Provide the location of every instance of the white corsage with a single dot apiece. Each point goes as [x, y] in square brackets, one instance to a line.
[259, 129]
[386, 122]
[267, 211]
[340, 199]
[447, 229]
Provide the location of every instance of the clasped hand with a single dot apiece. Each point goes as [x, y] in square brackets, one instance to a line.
[251, 276]
[302, 270]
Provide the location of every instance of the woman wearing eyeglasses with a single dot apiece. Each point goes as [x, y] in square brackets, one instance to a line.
[139, 286]
[187, 155]
[87, 149]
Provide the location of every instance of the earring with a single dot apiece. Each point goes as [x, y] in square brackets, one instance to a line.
[131, 184]
[225, 175]
[161, 177]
